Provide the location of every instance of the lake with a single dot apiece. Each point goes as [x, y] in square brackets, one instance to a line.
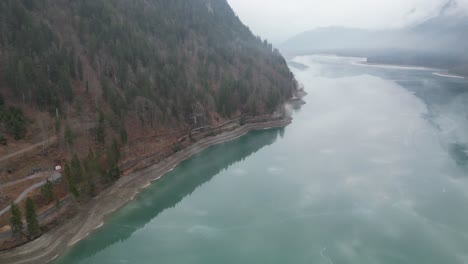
[373, 169]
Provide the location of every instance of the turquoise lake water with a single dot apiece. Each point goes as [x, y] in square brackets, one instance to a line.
[373, 169]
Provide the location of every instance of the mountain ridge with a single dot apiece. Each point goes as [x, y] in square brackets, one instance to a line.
[436, 42]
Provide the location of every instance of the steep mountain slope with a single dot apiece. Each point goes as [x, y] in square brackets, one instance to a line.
[171, 53]
[104, 83]
[161, 62]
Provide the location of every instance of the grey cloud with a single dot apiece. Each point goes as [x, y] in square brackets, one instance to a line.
[278, 20]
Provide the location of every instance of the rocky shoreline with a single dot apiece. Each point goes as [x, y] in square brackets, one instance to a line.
[92, 215]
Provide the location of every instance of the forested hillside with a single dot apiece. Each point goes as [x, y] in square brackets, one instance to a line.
[163, 60]
[97, 83]
[168, 55]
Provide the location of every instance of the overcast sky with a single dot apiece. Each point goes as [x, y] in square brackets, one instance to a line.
[278, 20]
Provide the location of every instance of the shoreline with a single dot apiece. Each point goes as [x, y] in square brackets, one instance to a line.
[395, 66]
[447, 75]
[92, 215]
[363, 62]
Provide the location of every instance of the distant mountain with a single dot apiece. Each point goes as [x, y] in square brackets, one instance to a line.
[439, 42]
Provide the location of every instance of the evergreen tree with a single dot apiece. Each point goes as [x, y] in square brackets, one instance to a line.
[113, 158]
[88, 162]
[68, 136]
[66, 87]
[90, 170]
[92, 165]
[21, 81]
[48, 191]
[100, 131]
[72, 63]
[71, 181]
[76, 169]
[80, 70]
[15, 220]
[113, 153]
[123, 134]
[3, 140]
[31, 218]
[14, 121]
[113, 173]
[58, 126]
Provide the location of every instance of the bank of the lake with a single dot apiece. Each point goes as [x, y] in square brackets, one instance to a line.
[91, 216]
